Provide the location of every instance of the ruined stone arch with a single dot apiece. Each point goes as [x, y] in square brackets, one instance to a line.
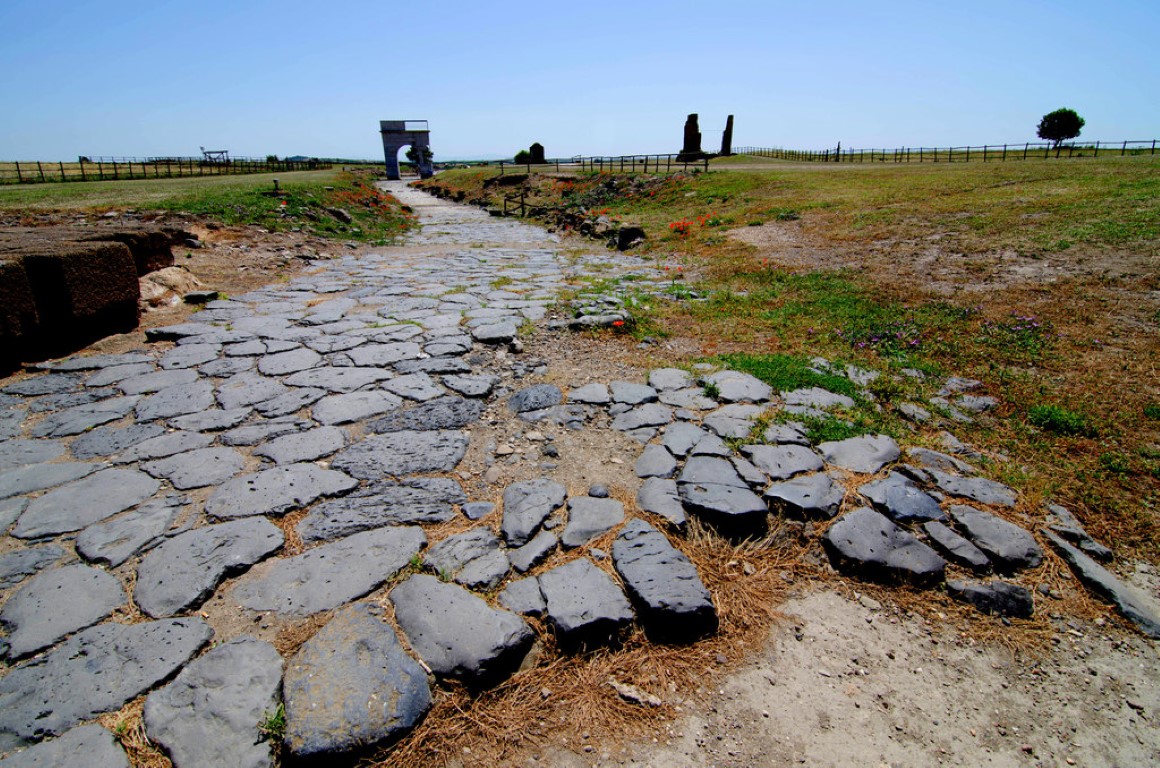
[403, 133]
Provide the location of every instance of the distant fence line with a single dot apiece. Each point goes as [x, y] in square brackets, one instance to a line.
[125, 168]
[965, 154]
[625, 163]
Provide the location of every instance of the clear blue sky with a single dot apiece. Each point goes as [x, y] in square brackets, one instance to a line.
[290, 77]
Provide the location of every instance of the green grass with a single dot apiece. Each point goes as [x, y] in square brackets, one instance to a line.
[787, 372]
[1059, 420]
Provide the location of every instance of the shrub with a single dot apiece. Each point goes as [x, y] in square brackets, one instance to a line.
[1057, 419]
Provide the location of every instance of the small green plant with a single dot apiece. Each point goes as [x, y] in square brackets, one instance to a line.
[272, 726]
[1060, 420]
[711, 389]
[501, 281]
[1115, 463]
[416, 562]
[1152, 411]
[1020, 336]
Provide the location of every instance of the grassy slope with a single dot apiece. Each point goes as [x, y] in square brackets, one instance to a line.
[243, 199]
[1089, 350]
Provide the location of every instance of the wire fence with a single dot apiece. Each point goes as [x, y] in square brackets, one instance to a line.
[126, 168]
[610, 163]
[985, 153]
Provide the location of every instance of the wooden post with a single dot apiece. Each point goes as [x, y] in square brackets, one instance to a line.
[1097, 148]
[61, 163]
[1004, 153]
[41, 170]
[1153, 146]
[1124, 149]
[19, 177]
[1025, 145]
[82, 164]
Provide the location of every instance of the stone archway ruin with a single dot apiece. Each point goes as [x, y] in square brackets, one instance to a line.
[401, 133]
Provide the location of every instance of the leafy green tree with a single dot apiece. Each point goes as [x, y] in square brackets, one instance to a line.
[1059, 126]
[523, 156]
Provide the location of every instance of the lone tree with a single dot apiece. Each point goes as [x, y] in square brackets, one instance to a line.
[1059, 126]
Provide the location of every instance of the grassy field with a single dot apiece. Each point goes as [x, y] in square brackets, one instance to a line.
[1041, 279]
[309, 198]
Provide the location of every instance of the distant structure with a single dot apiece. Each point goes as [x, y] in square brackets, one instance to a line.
[537, 154]
[692, 145]
[727, 138]
[215, 156]
[403, 133]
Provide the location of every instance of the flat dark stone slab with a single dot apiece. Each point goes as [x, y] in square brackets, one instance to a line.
[1010, 547]
[86, 746]
[95, 671]
[711, 488]
[527, 557]
[402, 453]
[56, 603]
[156, 381]
[470, 386]
[526, 505]
[866, 454]
[37, 477]
[782, 462]
[115, 541]
[458, 634]
[303, 446]
[209, 714]
[655, 461]
[82, 418]
[955, 548]
[291, 401]
[183, 572]
[382, 355]
[866, 544]
[735, 386]
[17, 565]
[108, 441]
[84, 502]
[806, 496]
[21, 453]
[352, 685]
[589, 518]
[47, 384]
[176, 401]
[647, 415]
[354, 406]
[584, 605]
[163, 445]
[441, 413]
[197, 469]
[285, 363]
[277, 490]
[658, 496]
[664, 585]
[338, 379]
[252, 434]
[897, 497]
[248, 389]
[1101, 581]
[994, 597]
[978, 489]
[474, 558]
[535, 398]
[426, 500]
[329, 575]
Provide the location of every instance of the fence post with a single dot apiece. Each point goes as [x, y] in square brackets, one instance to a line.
[1153, 146]
[41, 170]
[1097, 148]
[82, 164]
[1124, 149]
[1004, 153]
[19, 177]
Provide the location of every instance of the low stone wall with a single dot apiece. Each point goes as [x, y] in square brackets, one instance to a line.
[62, 288]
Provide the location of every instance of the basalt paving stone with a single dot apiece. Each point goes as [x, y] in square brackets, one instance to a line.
[977, 489]
[655, 461]
[83, 502]
[994, 597]
[425, 500]
[211, 713]
[474, 558]
[55, 603]
[176, 401]
[662, 582]
[48, 384]
[329, 575]
[535, 398]
[19, 564]
[275, 491]
[95, 671]
[156, 381]
[477, 510]
[941, 461]
[71, 399]
[681, 437]
[414, 386]
[1010, 547]
[82, 418]
[647, 415]
[524, 558]
[352, 686]
[631, 393]
[666, 379]
[901, 500]
[10, 420]
[868, 545]
[21, 453]
[285, 363]
[594, 393]
[735, 386]
[659, 496]
[590, 517]
[227, 366]
[526, 505]
[115, 541]
[866, 454]
[733, 421]
[692, 397]
[471, 386]
[955, 548]
[163, 445]
[10, 509]
[303, 446]
[433, 365]
[86, 746]
[450, 345]
[782, 462]
[289, 402]
[252, 434]
[247, 389]
[189, 356]
[402, 453]
[212, 420]
[442, 413]
[354, 406]
[197, 469]
[806, 496]
[95, 362]
[382, 355]
[584, 605]
[458, 634]
[523, 596]
[335, 379]
[109, 441]
[107, 376]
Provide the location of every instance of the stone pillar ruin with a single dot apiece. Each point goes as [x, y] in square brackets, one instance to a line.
[402, 133]
[727, 138]
[692, 146]
[537, 153]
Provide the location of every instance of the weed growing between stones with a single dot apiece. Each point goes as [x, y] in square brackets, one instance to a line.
[128, 726]
[272, 727]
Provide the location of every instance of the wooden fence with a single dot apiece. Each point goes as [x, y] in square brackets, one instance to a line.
[611, 163]
[984, 153]
[125, 168]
